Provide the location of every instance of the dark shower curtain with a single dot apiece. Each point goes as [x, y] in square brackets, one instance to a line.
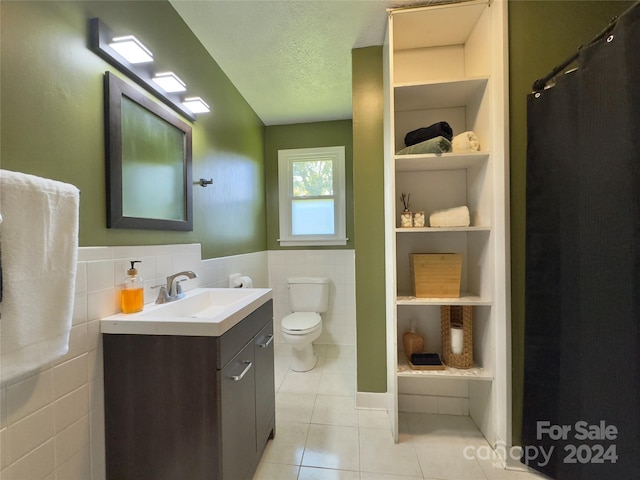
[581, 415]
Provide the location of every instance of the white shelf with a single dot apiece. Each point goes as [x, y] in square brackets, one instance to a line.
[453, 93]
[448, 25]
[442, 229]
[444, 161]
[465, 298]
[473, 373]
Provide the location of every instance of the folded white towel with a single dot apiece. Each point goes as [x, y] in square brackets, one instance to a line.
[466, 142]
[39, 235]
[450, 217]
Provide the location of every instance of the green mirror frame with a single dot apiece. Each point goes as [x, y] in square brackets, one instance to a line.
[148, 161]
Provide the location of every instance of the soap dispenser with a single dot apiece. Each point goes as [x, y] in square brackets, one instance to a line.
[132, 293]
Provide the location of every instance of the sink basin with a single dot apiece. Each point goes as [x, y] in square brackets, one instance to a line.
[202, 312]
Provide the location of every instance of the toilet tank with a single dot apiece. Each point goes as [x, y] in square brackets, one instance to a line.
[308, 294]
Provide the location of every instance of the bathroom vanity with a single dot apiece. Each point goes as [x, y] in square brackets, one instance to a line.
[189, 406]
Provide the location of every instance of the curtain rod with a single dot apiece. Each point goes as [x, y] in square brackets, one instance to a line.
[541, 83]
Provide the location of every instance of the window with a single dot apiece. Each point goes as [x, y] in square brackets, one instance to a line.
[312, 196]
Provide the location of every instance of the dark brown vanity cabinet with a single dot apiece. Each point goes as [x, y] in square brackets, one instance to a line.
[184, 407]
[248, 405]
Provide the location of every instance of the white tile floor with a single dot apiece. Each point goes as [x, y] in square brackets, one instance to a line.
[321, 436]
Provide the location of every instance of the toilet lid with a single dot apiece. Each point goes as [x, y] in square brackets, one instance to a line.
[301, 321]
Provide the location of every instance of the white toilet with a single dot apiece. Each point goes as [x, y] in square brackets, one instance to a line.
[308, 297]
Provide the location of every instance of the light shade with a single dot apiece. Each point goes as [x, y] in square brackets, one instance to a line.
[196, 105]
[169, 82]
[131, 49]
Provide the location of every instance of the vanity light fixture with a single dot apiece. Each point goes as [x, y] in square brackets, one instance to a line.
[196, 105]
[102, 42]
[170, 82]
[131, 49]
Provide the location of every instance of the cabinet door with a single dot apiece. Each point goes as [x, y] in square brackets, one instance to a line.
[265, 385]
[160, 396]
[237, 385]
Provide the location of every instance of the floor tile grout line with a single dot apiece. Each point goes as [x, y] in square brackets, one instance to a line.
[304, 449]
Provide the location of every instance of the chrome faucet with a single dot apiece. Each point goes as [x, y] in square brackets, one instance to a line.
[173, 290]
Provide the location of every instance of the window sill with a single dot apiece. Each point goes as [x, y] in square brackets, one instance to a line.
[312, 242]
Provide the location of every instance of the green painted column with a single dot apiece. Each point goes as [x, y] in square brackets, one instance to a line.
[368, 188]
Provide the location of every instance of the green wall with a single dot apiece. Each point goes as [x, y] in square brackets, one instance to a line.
[53, 126]
[305, 135]
[542, 34]
[368, 186]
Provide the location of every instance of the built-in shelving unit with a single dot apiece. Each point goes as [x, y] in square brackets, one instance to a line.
[448, 63]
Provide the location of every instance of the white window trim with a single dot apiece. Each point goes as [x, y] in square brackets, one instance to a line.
[285, 189]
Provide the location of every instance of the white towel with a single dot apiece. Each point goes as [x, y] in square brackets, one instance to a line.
[39, 235]
[450, 217]
[465, 142]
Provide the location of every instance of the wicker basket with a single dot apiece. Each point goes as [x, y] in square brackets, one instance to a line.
[456, 315]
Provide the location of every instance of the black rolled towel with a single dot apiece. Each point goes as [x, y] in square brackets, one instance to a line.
[440, 129]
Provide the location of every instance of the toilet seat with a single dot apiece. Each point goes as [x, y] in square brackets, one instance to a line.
[298, 323]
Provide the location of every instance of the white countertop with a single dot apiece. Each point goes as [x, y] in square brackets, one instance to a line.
[202, 312]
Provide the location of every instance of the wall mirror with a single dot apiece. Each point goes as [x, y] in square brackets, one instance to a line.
[148, 162]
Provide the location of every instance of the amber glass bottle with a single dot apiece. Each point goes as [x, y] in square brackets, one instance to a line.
[132, 293]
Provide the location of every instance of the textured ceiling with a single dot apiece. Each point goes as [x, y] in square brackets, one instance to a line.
[290, 59]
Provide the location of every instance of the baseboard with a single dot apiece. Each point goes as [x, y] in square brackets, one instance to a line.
[371, 400]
